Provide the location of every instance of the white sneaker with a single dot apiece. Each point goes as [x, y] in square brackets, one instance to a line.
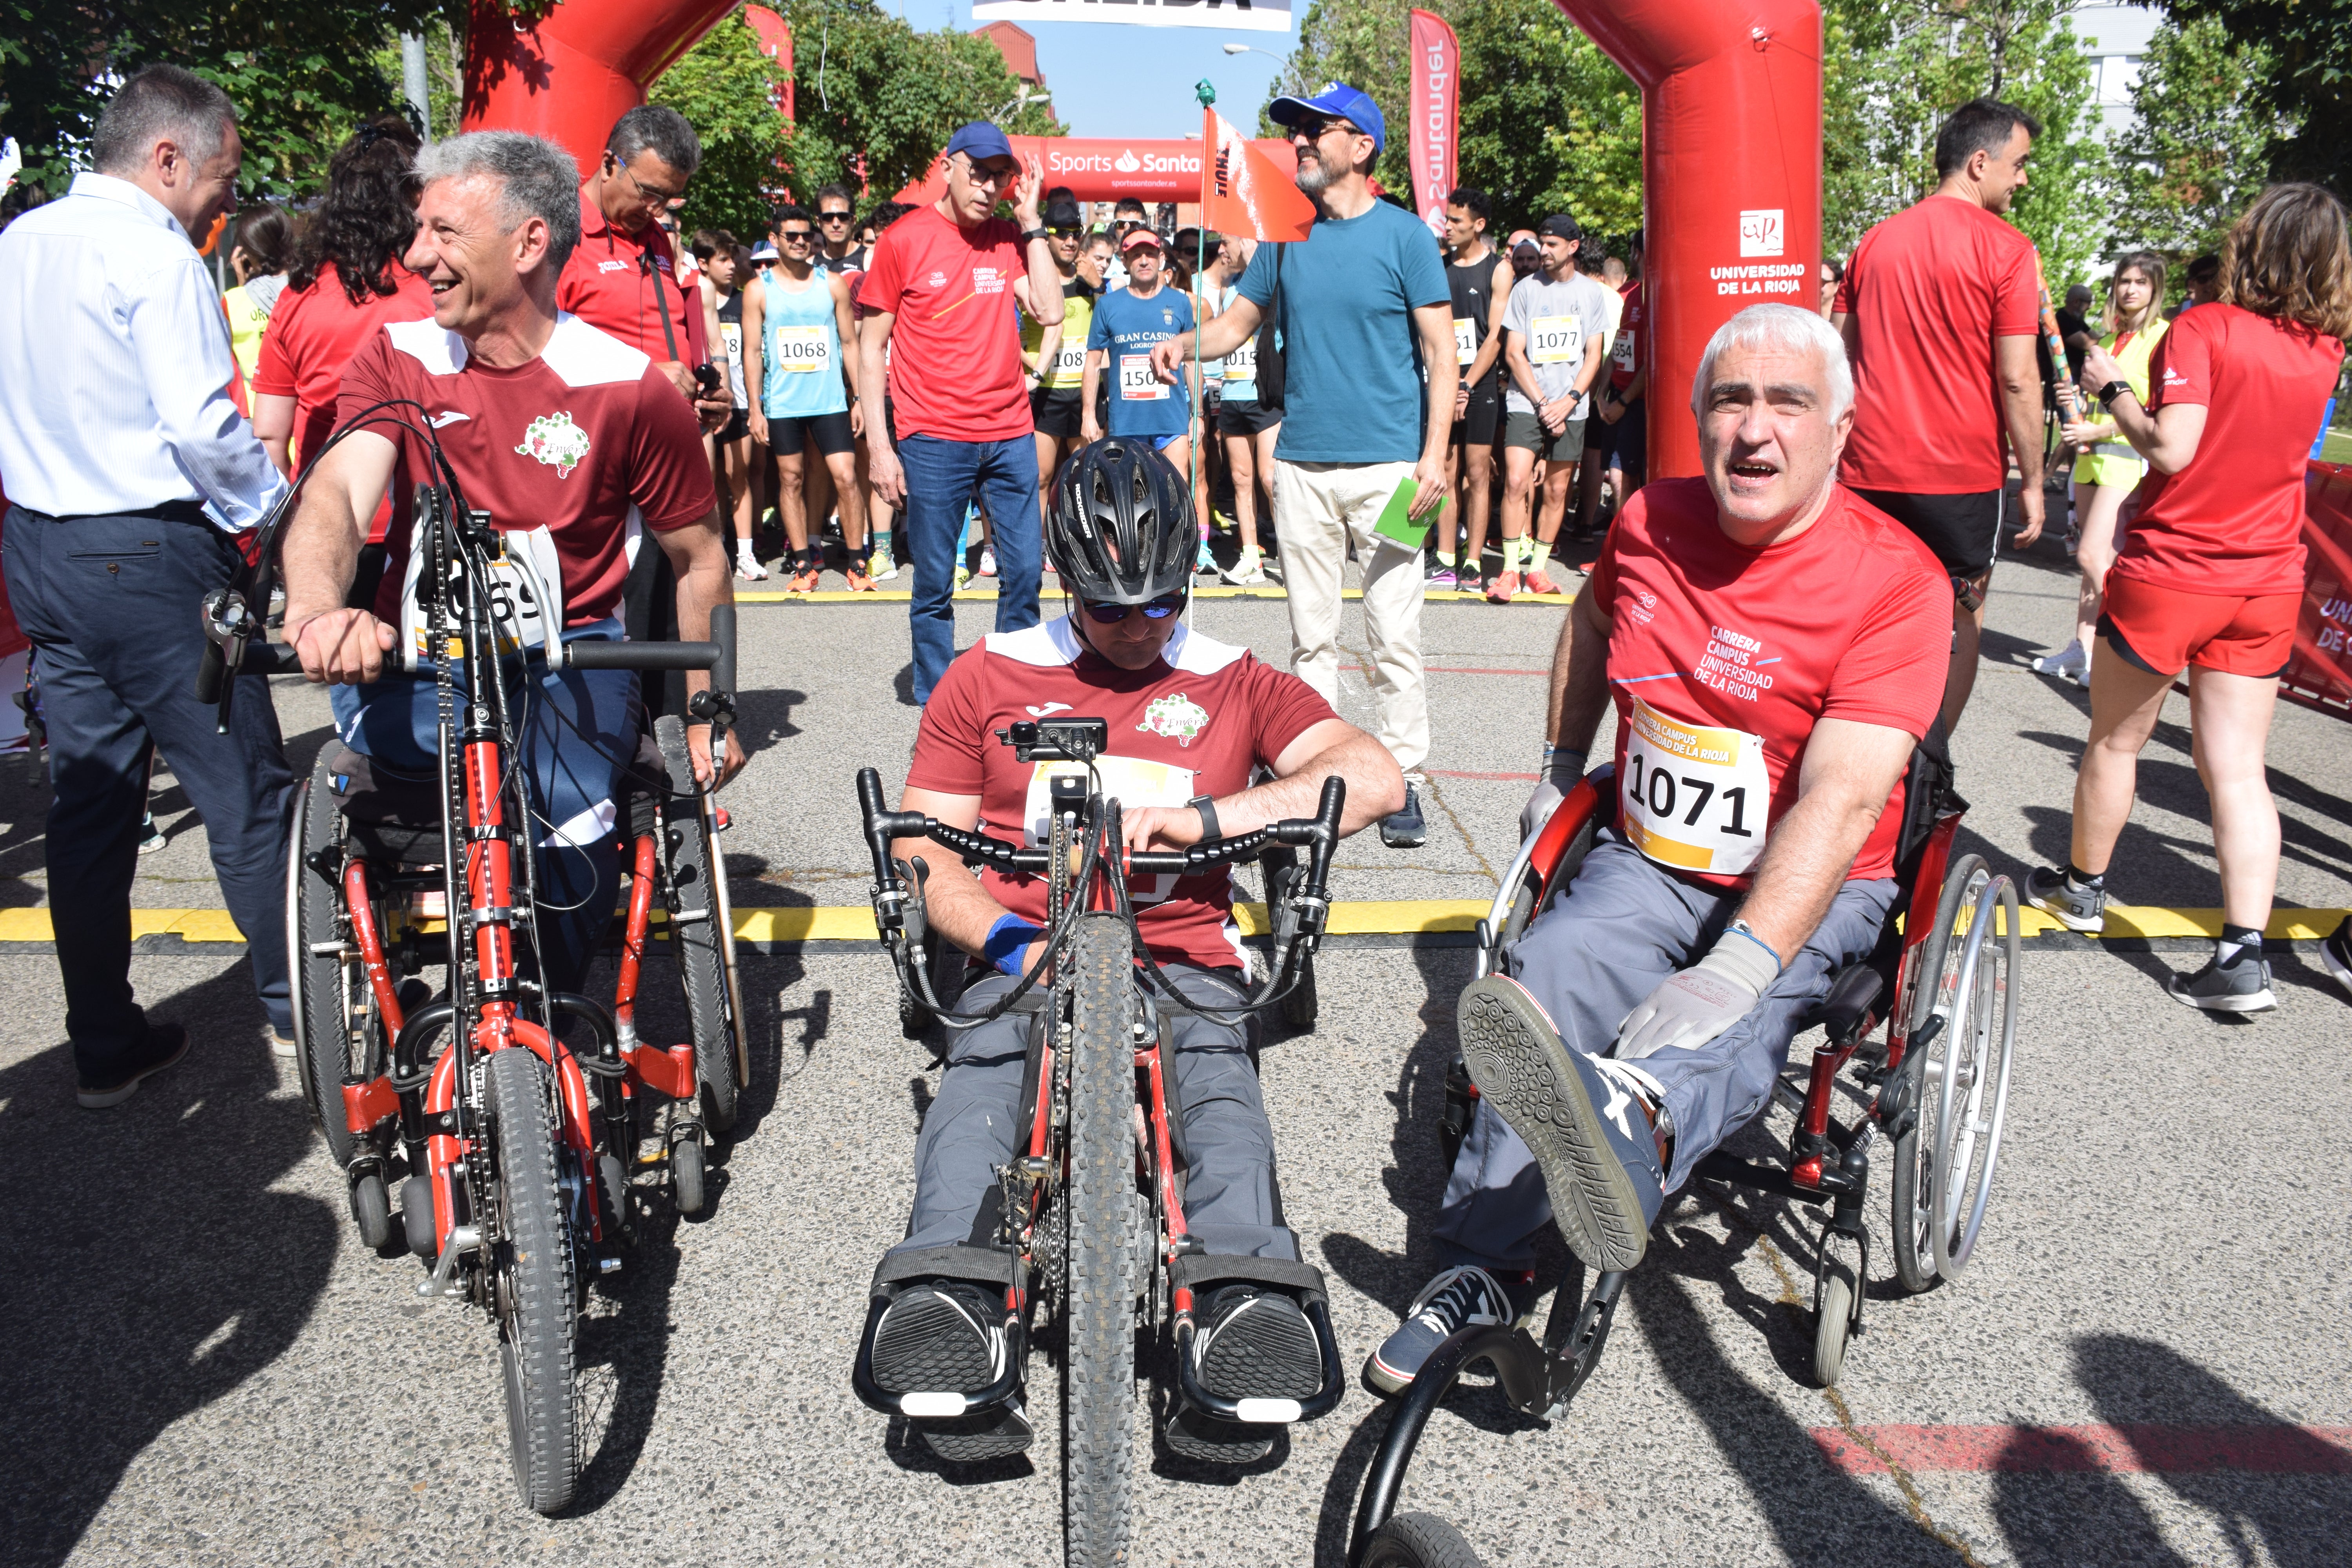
[2069, 663]
[1246, 572]
[987, 561]
[747, 567]
[881, 568]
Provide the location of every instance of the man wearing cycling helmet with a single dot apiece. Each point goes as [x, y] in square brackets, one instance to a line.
[1191, 719]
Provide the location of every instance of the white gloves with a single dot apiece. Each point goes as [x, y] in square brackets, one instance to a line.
[1562, 769]
[1692, 1007]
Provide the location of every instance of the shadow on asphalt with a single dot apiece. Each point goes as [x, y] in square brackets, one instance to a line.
[153, 1266]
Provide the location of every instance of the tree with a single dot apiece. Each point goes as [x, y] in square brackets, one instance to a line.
[2201, 143]
[2308, 45]
[727, 88]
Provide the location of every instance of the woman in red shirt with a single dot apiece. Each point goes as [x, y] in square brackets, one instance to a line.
[2211, 575]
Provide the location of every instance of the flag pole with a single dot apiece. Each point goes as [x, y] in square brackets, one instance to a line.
[1207, 93]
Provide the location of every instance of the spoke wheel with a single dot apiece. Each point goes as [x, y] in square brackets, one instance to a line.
[1935, 990]
[1971, 1093]
[1098, 1404]
[327, 987]
[535, 1285]
[697, 933]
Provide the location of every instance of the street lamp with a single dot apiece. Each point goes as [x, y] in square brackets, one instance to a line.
[1246, 49]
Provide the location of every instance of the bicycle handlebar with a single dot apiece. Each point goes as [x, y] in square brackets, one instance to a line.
[595, 655]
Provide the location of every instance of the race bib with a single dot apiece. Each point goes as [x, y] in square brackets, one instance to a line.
[1069, 360]
[1620, 353]
[1465, 340]
[1242, 364]
[1555, 340]
[801, 350]
[526, 594]
[1136, 381]
[1133, 782]
[731, 334]
[1694, 798]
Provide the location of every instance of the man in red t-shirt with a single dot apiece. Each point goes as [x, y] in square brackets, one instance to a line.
[1941, 307]
[938, 304]
[1620, 431]
[1190, 719]
[1770, 644]
[575, 443]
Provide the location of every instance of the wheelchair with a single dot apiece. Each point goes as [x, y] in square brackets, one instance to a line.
[1091, 1213]
[1942, 979]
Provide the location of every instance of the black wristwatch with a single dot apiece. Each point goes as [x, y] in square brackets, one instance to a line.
[1210, 832]
[2114, 390]
[1029, 233]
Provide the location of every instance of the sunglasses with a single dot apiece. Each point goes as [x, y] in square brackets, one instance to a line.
[1158, 609]
[1316, 129]
[832, 218]
[797, 235]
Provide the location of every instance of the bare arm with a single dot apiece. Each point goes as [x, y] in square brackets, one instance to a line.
[1590, 371]
[1225, 333]
[954, 902]
[2021, 416]
[882, 461]
[1580, 677]
[1849, 769]
[755, 356]
[1333, 748]
[1522, 373]
[844, 333]
[336, 646]
[2168, 438]
[1089, 386]
[697, 554]
[273, 422]
[1498, 299]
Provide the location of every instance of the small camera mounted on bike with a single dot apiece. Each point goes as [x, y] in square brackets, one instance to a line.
[1058, 740]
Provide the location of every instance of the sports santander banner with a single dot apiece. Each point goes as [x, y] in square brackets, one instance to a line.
[1250, 16]
[1436, 99]
[1243, 190]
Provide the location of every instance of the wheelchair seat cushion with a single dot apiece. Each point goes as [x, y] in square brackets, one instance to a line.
[391, 818]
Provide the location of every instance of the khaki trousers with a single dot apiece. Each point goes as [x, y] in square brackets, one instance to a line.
[1317, 507]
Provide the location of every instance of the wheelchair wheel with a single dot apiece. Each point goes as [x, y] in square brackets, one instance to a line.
[685, 1172]
[698, 939]
[1832, 1320]
[1934, 979]
[326, 983]
[1524, 906]
[1971, 1092]
[536, 1292]
[1417, 1541]
[1098, 1366]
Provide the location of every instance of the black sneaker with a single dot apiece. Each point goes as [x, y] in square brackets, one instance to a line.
[164, 1046]
[1405, 829]
[2243, 988]
[937, 1342]
[1252, 1344]
[2048, 888]
[2337, 954]
[1456, 1299]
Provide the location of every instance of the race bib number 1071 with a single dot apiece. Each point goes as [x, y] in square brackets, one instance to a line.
[1694, 798]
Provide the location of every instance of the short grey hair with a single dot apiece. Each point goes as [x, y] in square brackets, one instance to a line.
[662, 131]
[1790, 330]
[537, 179]
[162, 103]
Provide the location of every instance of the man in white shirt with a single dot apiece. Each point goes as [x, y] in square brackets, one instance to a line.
[132, 472]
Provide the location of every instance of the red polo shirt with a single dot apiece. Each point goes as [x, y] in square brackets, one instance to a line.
[621, 284]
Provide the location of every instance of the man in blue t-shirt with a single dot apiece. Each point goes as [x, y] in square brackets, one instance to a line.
[1367, 323]
[1127, 324]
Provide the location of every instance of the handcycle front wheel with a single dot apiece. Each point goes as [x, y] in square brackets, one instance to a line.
[1417, 1541]
[325, 981]
[535, 1292]
[698, 932]
[1098, 1405]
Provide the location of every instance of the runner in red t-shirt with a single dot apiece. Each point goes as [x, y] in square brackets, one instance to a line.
[1941, 307]
[2210, 578]
[1620, 431]
[575, 444]
[1771, 646]
[938, 304]
[1190, 719]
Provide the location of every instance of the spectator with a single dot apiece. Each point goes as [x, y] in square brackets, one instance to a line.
[1525, 254]
[739, 458]
[130, 471]
[2211, 575]
[1249, 428]
[1621, 414]
[1833, 274]
[2075, 328]
[1937, 388]
[1365, 314]
[2109, 470]
[879, 515]
[962, 410]
[837, 250]
[345, 283]
[803, 391]
[1480, 282]
[1554, 326]
[1056, 356]
[2203, 279]
[265, 238]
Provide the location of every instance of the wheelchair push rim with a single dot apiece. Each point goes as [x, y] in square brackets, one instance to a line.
[1975, 1052]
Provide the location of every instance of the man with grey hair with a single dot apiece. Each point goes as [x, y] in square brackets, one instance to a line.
[570, 439]
[132, 472]
[1773, 649]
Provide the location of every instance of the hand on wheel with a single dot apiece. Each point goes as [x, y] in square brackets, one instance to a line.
[1562, 769]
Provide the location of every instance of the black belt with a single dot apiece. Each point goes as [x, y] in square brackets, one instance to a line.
[168, 511]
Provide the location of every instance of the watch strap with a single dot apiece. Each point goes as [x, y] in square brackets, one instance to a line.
[1208, 810]
[1029, 233]
[2114, 390]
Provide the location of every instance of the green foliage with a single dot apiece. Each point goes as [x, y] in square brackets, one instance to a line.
[726, 88]
[1548, 123]
[2200, 146]
[2308, 45]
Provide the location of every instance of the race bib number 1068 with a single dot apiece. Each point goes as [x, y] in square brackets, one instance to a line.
[1694, 798]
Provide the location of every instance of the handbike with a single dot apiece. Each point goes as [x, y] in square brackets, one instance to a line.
[518, 1173]
[1948, 957]
[1092, 1210]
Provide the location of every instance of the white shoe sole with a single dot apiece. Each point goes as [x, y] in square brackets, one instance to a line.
[2335, 967]
[2068, 919]
[2260, 1001]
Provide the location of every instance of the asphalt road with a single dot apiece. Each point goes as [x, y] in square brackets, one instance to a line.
[207, 1367]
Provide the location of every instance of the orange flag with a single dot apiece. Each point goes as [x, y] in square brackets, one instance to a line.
[1242, 191]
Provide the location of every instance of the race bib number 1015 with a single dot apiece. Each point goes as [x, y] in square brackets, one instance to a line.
[1694, 798]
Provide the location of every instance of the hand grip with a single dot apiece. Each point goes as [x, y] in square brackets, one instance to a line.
[723, 632]
[601, 654]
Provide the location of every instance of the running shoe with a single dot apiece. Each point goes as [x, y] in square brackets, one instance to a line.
[1537, 583]
[1439, 575]
[1248, 571]
[2049, 889]
[1586, 1120]
[2069, 663]
[1252, 1344]
[948, 1337]
[806, 580]
[151, 838]
[164, 1046]
[1223, 522]
[881, 568]
[1469, 579]
[2337, 954]
[859, 583]
[963, 575]
[1205, 564]
[1459, 1299]
[1403, 828]
[987, 561]
[748, 568]
[2243, 988]
[2074, 541]
[281, 1044]
[1504, 585]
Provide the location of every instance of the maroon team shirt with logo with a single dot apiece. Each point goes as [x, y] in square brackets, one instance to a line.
[1195, 722]
[955, 360]
[588, 439]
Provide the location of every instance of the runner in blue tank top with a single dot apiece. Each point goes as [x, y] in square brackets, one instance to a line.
[804, 393]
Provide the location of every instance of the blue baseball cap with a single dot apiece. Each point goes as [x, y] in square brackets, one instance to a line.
[979, 140]
[1340, 102]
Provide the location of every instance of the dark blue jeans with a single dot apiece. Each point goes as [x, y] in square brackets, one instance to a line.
[111, 605]
[943, 478]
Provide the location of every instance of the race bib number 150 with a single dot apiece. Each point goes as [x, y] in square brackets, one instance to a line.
[1694, 798]
[1137, 384]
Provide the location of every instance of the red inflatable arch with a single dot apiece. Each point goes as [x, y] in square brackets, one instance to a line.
[568, 76]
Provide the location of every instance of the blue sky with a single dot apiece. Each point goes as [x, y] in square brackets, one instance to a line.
[1110, 79]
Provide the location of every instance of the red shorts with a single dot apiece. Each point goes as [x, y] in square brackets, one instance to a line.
[2164, 630]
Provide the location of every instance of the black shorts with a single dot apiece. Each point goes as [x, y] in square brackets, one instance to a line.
[829, 433]
[738, 425]
[1245, 416]
[1626, 444]
[1964, 530]
[1057, 411]
[1479, 417]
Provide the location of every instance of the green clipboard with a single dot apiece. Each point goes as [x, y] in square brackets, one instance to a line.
[1396, 522]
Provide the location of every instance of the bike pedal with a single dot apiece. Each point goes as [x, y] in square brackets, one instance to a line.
[608, 1265]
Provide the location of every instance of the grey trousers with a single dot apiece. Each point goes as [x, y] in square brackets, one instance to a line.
[1217, 1124]
[1624, 927]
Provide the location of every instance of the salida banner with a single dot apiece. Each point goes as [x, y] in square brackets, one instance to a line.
[1436, 94]
[1105, 168]
[2321, 669]
[1252, 16]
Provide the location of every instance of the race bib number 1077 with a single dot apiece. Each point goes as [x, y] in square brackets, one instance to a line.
[1694, 798]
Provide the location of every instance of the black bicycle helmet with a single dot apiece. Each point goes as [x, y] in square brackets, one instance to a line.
[1121, 530]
